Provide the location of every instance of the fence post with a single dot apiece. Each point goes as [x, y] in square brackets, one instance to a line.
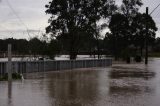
[9, 65]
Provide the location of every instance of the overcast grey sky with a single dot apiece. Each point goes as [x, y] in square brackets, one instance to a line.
[19, 15]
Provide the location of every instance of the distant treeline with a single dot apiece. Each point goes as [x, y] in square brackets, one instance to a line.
[54, 47]
[36, 46]
[33, 46]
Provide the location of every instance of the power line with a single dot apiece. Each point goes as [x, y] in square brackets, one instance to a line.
[7, 30]
[155, 8]
[20, 20]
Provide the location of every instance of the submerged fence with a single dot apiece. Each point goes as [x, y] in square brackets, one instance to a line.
[42, 66]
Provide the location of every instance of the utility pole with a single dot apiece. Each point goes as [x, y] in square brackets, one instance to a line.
[146, 38]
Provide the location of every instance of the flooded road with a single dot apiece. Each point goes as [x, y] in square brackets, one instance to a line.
[120, 85]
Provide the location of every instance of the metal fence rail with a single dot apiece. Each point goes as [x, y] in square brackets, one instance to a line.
[41, 66]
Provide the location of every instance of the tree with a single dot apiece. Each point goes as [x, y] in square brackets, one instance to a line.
[74, 18]
[35, 46]
[121, 29]
[139, 31]
[119, 34]
[127, 32]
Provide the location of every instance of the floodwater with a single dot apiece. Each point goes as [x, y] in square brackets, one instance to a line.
[119, 85]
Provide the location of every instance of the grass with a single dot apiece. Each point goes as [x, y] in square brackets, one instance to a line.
[154, 54]
[15, 76]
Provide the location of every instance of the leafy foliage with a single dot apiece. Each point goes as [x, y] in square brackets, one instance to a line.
[139, 29]
[128, 29]
[130, 7]
[73, 18]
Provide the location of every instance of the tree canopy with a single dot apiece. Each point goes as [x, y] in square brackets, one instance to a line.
[76, 17]
[73, 23]
[128, 29]
[130, 7]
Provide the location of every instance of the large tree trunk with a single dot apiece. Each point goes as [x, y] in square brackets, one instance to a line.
[73, 55]
[73, 49]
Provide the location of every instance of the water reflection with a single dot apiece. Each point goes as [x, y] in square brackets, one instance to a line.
[71, 88]
[121, 85]
[9, 92]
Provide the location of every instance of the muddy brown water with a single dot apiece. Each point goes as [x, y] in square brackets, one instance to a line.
[119, 85]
